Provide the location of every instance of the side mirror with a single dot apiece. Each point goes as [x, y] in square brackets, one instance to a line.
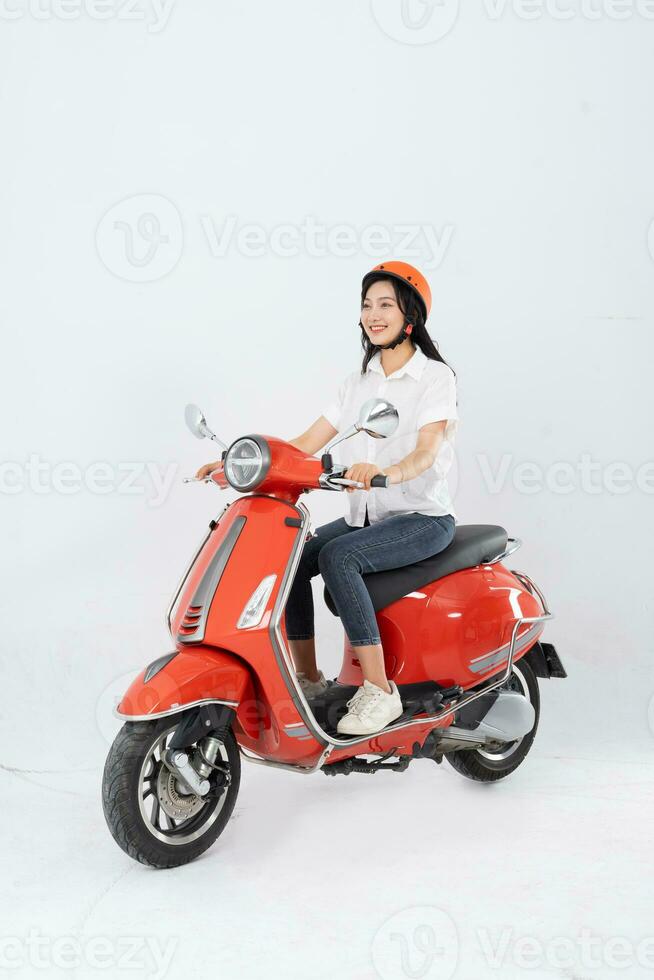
[197, 423]
[377, 417]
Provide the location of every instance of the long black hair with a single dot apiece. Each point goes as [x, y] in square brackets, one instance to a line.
[414, 313]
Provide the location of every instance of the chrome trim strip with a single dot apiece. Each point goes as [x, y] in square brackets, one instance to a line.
[282, 654]
[512, 545]
[478, 663]
[500, 649]
[305, 770]
[302, 732]
[169, 611]
[174, 711]
[483, 664]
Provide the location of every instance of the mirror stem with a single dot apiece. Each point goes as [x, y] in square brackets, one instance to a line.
[208, 434]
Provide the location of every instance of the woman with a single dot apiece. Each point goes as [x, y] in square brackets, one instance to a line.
[408, 521]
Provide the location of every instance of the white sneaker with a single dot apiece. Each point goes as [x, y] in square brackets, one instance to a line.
[312, 689]
[371, 709]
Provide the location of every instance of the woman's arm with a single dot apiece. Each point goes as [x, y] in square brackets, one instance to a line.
[429, 441]
[316, 436]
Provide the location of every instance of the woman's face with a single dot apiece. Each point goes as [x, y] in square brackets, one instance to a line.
[381, 317]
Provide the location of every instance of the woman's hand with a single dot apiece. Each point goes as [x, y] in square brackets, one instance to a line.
[363, 472]
[204, 471]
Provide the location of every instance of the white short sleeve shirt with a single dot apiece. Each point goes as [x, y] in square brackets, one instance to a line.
[422, 391]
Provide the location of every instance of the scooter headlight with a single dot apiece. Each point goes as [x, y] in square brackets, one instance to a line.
[247, 462]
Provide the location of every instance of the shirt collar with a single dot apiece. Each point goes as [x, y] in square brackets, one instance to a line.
[414, 367]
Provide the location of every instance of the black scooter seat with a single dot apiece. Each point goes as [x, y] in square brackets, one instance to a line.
[472, 545]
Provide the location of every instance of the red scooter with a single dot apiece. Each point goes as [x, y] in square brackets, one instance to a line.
[460, 634]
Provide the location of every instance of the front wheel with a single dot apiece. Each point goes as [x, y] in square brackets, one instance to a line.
[148, 813]
[495, 762]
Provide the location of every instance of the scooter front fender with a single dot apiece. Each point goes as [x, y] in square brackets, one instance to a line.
[184, 679]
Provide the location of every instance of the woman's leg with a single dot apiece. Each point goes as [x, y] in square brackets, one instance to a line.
[303, 653]
[299, 612]
[391, 543]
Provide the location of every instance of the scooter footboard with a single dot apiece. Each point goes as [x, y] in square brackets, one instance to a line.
[184, 678]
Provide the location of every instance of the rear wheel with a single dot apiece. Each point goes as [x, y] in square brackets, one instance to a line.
[148, 813]
[496, 761]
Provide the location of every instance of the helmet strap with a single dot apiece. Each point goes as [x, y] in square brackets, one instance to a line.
[401, 337]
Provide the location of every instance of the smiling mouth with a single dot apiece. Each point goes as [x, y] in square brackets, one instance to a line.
[376, 329]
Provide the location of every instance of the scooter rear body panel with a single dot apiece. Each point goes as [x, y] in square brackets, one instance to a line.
[455, 630]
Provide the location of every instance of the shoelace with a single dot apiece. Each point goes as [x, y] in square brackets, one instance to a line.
[361, 703]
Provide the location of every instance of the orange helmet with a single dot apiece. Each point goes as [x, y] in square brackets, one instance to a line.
[408, 274]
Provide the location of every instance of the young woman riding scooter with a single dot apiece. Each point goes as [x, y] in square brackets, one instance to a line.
[410, 520]
[461, 631]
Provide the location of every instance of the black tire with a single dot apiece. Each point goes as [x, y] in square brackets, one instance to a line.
[479, 765]
[126, 807]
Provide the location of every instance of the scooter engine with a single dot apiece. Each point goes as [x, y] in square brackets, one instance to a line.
[508, 718]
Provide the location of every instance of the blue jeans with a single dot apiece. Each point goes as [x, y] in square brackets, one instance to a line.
[342, 554]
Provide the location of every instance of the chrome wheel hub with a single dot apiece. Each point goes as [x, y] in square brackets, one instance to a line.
[174, 817]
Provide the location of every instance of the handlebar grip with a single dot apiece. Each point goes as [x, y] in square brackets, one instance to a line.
[380, 480]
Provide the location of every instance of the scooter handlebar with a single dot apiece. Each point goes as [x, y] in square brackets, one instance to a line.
[327, 479]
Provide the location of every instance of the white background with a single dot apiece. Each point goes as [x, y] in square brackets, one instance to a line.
[523, 145]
